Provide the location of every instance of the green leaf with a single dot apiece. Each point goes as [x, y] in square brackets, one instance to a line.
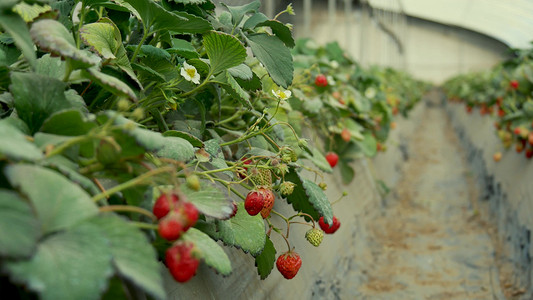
[347, 172]
[318, 199]
[213, 255]
[368, 145]
[52, 36]
[67, 122]
[255, 19]
[210, 201]
[30, 12]
[7, 4]
[236, 91]
[100, 36]
[196, 142]
[265, 261]
[183, 48]
[238, 12]
[14, 144]
[50, 66]
[133, 256]
[177, 148]
[18, 30]
[72, 264]
[241, 71]
[217, 157]
[301, 201]
[156, 18]
[62, 165]
[335, 52]
[318, 159]
[37, 97]
[104, 38]
[280, 30]
[193, 24]
[224, 51]
[58, 202]
[275, 56]
[110, 83]
[196, 2]
[19, 229]
[242, 231]
[149, 140]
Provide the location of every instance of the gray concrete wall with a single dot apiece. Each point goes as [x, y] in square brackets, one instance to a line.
[431, 51]
[507, 198]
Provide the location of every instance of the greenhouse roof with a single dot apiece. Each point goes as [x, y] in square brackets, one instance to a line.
[509, 21]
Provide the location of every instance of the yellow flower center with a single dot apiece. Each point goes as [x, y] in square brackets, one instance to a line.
[191, 72]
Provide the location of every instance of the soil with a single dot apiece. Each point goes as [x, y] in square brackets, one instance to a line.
[429, 242]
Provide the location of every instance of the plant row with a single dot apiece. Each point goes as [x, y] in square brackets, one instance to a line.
[137, 131]
[505, 93]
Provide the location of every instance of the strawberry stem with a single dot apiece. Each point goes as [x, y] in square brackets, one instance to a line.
[132, 182]
[144, 225]
[128, 208]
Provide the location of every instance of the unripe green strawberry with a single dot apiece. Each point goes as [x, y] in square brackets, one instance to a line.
[323, 186]
[108, 151]
[138, 113]
[193, 182]
[314, 236]
[282, 169]
[287, 188]
[261, 177]
[288, 155]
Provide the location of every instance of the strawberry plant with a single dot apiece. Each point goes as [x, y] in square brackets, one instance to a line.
[133, 129]
[503, 92]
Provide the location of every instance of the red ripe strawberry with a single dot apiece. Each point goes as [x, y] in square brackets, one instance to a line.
[469, 109]
[321, 80]
[234, 212]
[329, 229]
[346, 135]
[189, 215]
[246, 161]
[254, 202]
[332, 158]
[395, 110]
[519, 147]
[530, 138]
[517, 131]
[501, 112]
[170, 227]
[529, 153]
[269, 202]
[164, 204]
[379, 147]
[288, 264]
[497, 156]
[181, 262]
[513, 84]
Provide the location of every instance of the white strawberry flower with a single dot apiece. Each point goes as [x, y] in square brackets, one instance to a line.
[283, 95]
[331, 81]
[370, 93]
[190, 73]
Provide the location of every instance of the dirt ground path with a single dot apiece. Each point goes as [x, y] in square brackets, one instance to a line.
[428, 243]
